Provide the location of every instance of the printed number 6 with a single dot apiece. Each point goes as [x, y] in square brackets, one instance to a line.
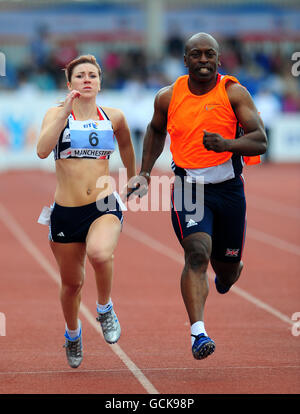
[93, 139]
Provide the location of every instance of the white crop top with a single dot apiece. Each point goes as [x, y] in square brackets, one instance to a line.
[86, 139]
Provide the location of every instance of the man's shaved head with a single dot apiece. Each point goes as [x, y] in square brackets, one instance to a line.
[201, 37]
[202, 58]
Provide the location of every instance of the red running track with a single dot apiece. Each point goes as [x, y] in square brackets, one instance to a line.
[257, 342]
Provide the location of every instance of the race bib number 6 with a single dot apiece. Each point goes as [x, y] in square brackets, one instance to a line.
[93, 139]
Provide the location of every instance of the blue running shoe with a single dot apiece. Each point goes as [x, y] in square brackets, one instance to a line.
[221, 288]
[202, 346]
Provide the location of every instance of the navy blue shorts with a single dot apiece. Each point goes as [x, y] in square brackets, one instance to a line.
[71, 224]
[224, 217]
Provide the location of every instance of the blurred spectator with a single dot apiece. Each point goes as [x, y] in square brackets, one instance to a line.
[136, 89]
[255, 63]
[43, 80]
[64, 53]
[291, 102]
[262, 65]
[112, 61]
[26, 87]
[231, 55]
[156, 79]
[56, 72]
[172, 66]
[175, 43]
[269, 107]
[40, 47]
[291, 93]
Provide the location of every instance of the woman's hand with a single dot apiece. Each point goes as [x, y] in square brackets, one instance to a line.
[67, 105]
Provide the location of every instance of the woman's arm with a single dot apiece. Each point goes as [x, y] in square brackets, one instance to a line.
[52, 125]
[122, 133]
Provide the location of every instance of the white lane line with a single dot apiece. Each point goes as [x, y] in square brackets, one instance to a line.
[12, 225]
[218, 368]
[271, 206]
[156, 245]
[273, 241]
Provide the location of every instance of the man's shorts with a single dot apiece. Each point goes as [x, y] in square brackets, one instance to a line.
[224, 217]
[71, 224]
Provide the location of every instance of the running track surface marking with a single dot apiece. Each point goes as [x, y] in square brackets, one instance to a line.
[269, 238]
[142, 237]
[28, 245]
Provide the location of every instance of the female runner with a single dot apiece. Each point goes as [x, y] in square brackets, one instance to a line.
[85, 220]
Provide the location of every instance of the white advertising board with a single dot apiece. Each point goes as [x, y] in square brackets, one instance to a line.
[285, 139]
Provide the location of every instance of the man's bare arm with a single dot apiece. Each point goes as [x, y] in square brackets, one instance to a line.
[254, 141]
[156, 132]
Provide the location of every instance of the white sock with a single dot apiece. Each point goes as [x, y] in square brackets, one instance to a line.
[104, 308]
[196, 329]
[74, 333]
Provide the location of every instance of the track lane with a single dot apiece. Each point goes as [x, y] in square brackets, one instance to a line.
[34, 252]
[157, 336]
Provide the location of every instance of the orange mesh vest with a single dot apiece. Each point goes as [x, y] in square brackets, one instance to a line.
[190, 114]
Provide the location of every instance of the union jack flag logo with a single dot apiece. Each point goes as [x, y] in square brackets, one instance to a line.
[232, 252]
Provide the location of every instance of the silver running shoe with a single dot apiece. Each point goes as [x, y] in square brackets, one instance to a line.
[74, 351]
[110, 326]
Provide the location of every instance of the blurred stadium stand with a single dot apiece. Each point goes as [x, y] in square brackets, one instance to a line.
[139, 45]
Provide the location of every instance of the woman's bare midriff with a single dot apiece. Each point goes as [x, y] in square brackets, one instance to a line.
[81, 181]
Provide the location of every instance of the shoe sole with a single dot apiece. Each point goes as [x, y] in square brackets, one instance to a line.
[111, 343]
[75, 365]
[206, 350]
